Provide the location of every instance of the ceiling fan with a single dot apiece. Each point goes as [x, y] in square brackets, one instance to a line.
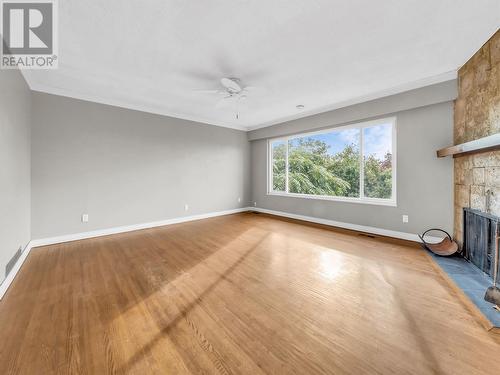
[232, 93]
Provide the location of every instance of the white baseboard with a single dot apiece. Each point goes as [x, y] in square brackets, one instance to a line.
[102, 232]
[340, 224]
[128, 228]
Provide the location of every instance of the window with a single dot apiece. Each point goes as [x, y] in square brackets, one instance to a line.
[279, 166]
[352, 163]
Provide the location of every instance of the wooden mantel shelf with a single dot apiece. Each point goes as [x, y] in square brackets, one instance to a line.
[479, 145]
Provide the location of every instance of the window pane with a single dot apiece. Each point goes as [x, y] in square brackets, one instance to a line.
[325, 164]
[279, 165]
[377, 150]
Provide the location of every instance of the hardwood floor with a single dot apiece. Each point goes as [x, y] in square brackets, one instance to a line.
[239, 294]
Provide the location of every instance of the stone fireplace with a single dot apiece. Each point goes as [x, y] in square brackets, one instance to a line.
[477, 115]
[476, 183]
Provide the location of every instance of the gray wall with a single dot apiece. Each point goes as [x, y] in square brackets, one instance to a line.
[424, 182]
[126, 167]
[15, 107]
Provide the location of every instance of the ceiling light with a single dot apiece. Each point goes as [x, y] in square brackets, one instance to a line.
[300, 106]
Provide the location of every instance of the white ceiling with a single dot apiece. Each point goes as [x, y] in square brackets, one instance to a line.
[153, 55]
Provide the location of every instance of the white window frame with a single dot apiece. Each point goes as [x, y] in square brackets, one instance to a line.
[361, 199]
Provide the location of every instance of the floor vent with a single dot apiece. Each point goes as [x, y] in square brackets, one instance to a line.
[13, 261]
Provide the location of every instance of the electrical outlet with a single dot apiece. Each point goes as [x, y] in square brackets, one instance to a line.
[405, 218]
[186, 207]
[85, 218]
[239, 200]
[255, 204]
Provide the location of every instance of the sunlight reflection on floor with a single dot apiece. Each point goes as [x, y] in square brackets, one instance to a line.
[330, 263]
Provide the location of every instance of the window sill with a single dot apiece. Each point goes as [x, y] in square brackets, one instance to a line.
[373, 201]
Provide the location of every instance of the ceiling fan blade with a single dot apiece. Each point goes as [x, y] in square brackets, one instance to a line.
[207, 91]
[254, 90]
[226, 102]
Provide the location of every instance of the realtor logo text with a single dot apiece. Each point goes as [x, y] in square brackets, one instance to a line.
[29, 34]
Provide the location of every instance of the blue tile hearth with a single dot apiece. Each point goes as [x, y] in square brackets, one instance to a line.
[472, 281]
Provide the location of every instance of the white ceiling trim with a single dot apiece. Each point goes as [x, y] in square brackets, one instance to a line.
[373, 96]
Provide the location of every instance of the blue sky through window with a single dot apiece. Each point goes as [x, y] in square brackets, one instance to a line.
[336, 141]
[377, 140]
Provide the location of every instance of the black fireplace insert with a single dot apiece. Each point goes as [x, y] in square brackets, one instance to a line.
[479, 239]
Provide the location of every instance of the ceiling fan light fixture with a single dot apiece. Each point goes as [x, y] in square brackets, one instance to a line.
[231, 84]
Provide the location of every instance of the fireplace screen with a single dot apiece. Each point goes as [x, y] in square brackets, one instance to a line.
[479, 239]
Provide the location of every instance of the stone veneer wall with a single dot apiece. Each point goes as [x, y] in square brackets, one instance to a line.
[477, 115]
